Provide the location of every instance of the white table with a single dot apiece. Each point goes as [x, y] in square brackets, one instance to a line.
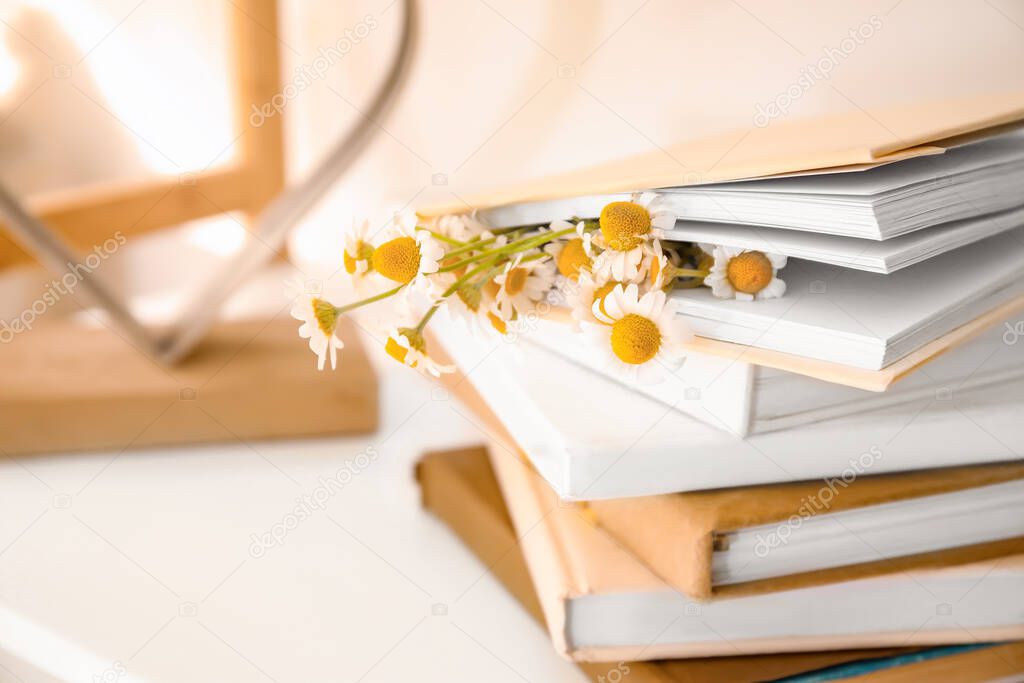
[140, 567]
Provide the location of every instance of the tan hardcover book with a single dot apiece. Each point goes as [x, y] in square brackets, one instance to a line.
[757, 539]
[854, 140]
[459, 487]
[602, 604]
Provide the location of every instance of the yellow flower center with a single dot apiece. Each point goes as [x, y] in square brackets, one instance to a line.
[326, 316]
[624, 225]
[750, 272]
[515, 281]
[635, 339]
[573, 259]
[364, 252]
[497, 323]
[397, 260]
[603, 291]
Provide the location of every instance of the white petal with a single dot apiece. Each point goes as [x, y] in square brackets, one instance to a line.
[595, 310]
[663, 220]
[775, 289]
[721, 288]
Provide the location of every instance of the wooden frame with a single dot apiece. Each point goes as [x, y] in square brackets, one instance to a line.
[88, 216]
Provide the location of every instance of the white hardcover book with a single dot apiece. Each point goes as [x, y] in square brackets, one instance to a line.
[744, 398]
[874, 204]
[592, 438]
[850, 252]
[861, 319]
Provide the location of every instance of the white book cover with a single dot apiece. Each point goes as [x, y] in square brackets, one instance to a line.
[861, 319]
[744, 398]
[592, 438]
[850, 252]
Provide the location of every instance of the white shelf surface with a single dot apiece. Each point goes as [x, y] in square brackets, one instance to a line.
[105, 558]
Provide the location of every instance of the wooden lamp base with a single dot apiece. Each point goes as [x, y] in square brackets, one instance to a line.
[65, 387]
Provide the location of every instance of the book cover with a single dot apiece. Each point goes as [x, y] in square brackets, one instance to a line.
[602, 604]
[459, 488]
[678, 535]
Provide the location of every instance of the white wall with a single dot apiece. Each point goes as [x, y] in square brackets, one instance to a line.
[487, 105]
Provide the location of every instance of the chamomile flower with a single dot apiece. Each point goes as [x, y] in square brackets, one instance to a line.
[441, 282]
[407, 346]
[474, 306]
[574, 255]
[587, 291]
[319, 325]
[408, 254]
[521, 285]
[625, 232]
[358, 255]
[657, 267]
[459, 227]
[498, 323]
[744, 274]
[639, 337]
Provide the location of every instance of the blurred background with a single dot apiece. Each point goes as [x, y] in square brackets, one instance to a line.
[103, 91]
[101, 96]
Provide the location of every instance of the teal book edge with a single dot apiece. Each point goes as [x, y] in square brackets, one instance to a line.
[866, 666]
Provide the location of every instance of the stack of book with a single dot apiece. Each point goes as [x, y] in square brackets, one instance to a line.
[837, 469]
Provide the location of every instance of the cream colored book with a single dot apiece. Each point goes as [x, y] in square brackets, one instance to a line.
[459, 488]
[754, 539]
[601, 604]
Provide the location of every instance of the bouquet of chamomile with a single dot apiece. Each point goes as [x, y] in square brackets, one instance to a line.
[612, 272]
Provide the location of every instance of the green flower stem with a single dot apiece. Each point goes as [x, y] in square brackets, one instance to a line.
[470, 246]
[448, 292]
[446, 239]
[686, 272]
[476, 242]
[489, 275]
[373, 299]
[511, 248]
[496, 266]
